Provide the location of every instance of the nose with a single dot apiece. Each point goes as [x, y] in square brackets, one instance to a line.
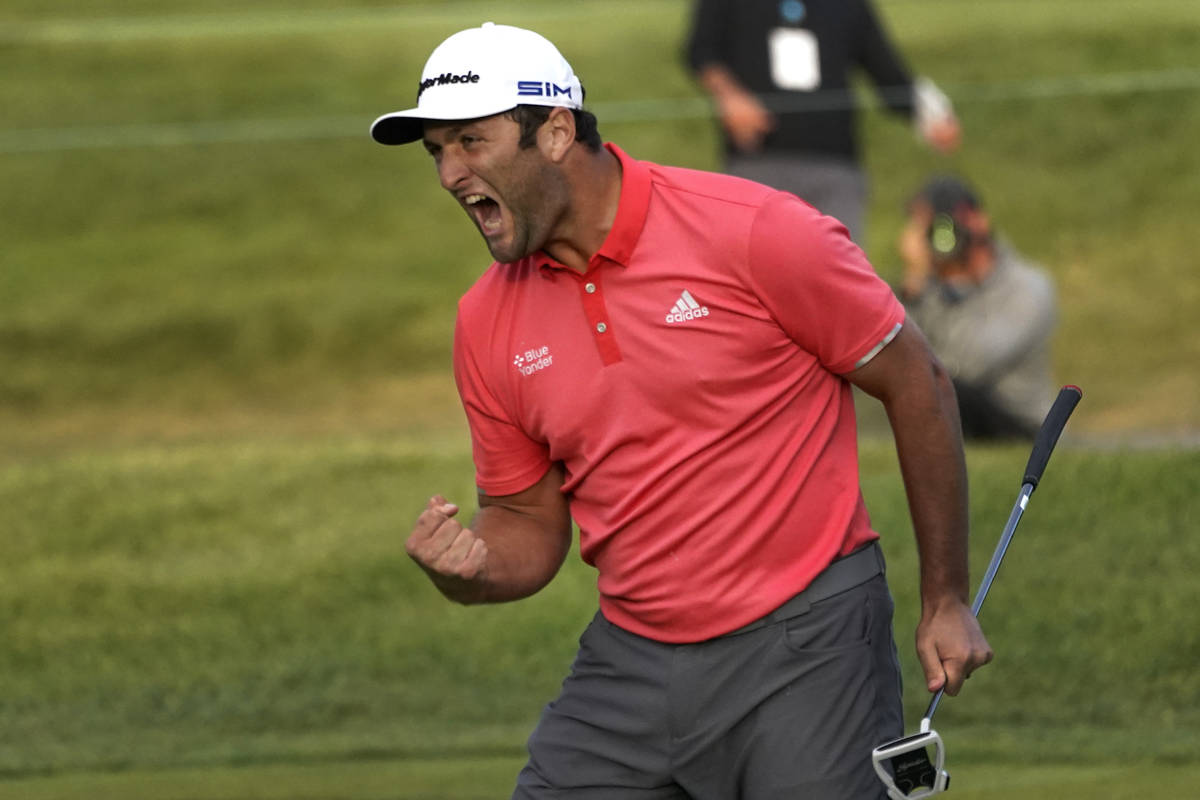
[451, 170]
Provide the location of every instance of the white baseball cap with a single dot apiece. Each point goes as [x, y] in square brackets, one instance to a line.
[480, 72]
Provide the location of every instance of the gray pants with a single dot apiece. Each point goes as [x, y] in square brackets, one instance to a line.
[834, 187]
[790, 710]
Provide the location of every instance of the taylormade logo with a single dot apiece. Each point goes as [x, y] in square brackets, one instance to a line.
[447, 78]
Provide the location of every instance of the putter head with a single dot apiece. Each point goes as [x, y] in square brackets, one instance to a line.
[913, 774]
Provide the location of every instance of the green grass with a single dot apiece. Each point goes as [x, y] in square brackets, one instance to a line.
[490, 778]
[224, 392]
[213, 604]
[479, 778]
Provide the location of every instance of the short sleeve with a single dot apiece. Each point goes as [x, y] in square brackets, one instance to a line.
[818, 284]
[507, 460]
[705, 43]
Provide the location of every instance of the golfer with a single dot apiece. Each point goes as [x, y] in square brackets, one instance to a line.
[665, 357]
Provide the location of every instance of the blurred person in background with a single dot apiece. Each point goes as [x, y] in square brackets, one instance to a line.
[987, 311]
[665, 357]
[779, 72]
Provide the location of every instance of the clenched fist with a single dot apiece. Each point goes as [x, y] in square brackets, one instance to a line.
[453, 556]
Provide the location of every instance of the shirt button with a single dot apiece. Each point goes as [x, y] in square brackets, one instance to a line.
[590, 288]
[601, 327]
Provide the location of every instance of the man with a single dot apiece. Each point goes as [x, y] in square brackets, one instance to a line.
[988, 313]
[779, 72]
[665, 356]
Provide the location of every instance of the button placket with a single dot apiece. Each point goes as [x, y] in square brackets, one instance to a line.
[592, 296]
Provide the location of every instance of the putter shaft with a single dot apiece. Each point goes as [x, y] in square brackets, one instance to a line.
[1043, 445]
[1014, 518]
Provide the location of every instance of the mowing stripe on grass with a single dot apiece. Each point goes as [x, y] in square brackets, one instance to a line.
[284, 22]
[490, 777]
[627, 111]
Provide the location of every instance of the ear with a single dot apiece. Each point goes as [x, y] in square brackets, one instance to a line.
[557, 134]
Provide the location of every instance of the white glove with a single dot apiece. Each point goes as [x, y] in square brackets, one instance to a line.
[934, 117]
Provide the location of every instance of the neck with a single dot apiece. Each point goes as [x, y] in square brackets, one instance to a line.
[595, 192]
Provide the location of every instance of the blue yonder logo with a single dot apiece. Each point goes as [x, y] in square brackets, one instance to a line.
[541, 89]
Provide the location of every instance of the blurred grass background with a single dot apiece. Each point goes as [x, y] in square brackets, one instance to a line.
[225, 318]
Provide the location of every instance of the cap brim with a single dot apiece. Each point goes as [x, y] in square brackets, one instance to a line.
[400, 127]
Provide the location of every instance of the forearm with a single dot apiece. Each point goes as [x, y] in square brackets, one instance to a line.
[914, 286]
[928, 437]
[523, 554]
[916, 391]
[719, 81]
[514, 546]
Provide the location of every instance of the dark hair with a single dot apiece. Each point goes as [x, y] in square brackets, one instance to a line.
[531, 118]
[947, 194]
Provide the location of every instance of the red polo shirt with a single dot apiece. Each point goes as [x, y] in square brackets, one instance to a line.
[690, 384]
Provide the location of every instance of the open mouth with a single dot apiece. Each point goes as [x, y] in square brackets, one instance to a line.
[486, 213]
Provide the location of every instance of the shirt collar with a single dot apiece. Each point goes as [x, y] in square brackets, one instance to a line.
[631, 210]
[627, 226]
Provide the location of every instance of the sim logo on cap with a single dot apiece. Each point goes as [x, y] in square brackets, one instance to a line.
[541, 89]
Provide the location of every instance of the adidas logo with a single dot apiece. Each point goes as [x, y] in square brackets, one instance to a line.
[685, 309]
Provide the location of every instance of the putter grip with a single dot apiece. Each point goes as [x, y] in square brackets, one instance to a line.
[1052, 428]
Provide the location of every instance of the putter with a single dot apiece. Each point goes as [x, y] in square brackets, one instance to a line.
[913, 774]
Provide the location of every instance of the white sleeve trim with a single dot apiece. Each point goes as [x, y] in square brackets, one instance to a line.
[874, 351]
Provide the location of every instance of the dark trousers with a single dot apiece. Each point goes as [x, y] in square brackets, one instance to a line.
[983, 418]
[788, 710]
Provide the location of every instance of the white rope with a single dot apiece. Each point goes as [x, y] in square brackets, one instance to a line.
[45, 140]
